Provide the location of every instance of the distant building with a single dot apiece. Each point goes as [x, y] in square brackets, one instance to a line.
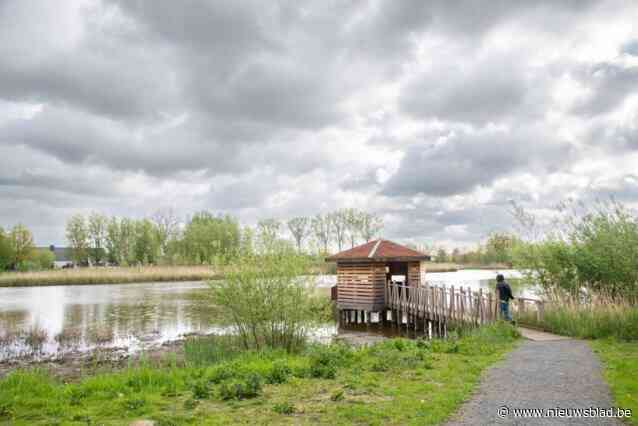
[62, 255]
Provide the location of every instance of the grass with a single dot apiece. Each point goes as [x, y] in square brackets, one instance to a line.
[588, 321]
[87, 276]
[394, 382]
[620, 368]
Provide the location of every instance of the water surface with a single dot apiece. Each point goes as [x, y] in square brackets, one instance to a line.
[53, 321]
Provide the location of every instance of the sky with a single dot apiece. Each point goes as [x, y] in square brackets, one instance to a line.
[434, 115]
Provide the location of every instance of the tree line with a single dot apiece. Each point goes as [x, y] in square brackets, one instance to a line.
[206, 238]
[497, 248]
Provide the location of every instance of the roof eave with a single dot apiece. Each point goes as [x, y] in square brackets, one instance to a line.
[378, 259]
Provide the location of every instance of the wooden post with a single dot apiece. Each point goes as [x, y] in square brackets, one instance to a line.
[540, 310]
[480, 300]
[490, 308]
[472, 304]
[452, 304]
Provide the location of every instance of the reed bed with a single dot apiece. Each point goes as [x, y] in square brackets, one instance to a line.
[453, 267]
[108, 275]
[599, 318]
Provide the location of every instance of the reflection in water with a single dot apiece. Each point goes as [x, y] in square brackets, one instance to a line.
[54, 321]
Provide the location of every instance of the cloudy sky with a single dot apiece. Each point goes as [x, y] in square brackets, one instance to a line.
[433, 114]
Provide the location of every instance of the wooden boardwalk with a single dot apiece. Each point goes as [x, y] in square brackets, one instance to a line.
[434, 309]
[438, 307]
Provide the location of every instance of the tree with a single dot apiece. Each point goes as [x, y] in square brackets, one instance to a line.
[268, 234]
[339, 221]
[21, 241]
[166, 225]
[77, 234]
[208, 238]
[97, 229]
[146, 245]
[299, 229]
[456, 255]
[352, 217]
[127, 241]
[498, 247]
[369, 225]
[42, 258]
[113, 241]
[321, 228]
[7, 254]
[441, 255]
[246, 245]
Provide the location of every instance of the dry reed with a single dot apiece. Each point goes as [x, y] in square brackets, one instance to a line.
[108, 275]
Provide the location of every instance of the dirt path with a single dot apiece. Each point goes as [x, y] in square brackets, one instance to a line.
[548, 372]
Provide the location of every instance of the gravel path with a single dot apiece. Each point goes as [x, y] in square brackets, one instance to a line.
[540, 374]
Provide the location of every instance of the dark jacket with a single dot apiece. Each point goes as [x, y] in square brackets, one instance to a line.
[504, 291]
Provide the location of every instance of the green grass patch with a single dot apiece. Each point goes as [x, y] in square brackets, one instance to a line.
[397, 381]
[620, 368]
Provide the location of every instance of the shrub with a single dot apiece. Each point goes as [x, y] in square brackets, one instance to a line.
[266, 295]
[284, 408]
[320, 371]
[200, 390]
[133, 404]
[220, 373]
[279, 373]
[248, 388]
[380, 364]
[324, 360]
[590, 251]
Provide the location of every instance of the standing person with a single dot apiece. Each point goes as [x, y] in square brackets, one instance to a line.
[504, 296]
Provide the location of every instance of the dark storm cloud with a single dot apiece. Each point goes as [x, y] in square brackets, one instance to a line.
[104, 72]
[486, 92]
[467, 160]
[242, 63]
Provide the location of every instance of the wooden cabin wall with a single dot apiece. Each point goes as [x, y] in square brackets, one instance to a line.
[414, 274]
[360, 285]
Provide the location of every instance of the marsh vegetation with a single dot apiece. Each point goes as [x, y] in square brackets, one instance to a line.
[220, 382]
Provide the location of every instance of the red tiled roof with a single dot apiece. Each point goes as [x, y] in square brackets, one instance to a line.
[379, 250]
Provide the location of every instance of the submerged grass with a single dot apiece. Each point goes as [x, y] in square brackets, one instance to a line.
[397, 381]
[620, 368]
[116, 275]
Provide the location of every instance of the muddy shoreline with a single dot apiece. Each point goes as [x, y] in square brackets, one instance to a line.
[75, 365]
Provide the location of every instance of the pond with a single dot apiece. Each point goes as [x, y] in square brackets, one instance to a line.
[51, 322]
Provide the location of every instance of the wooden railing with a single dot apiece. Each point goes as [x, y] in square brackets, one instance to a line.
[441, 304]
[522, 308]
